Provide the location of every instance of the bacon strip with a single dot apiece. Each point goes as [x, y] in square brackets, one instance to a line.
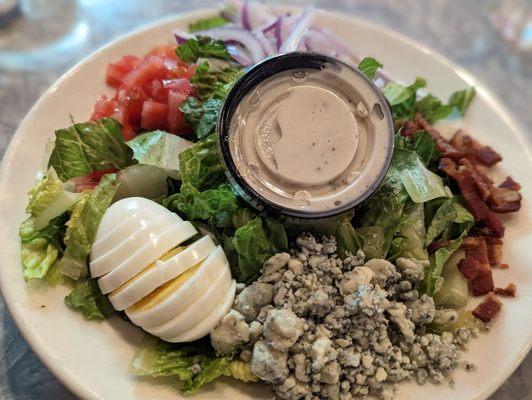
[502, 200]
[473, 150]
[479, 276]
[494, 250]
[487, 220]
[488, 308]
[509, 183]
[507, 291]
[408, 129]
[442, 144]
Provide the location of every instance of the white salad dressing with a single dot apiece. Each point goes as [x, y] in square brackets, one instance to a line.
[309, 141]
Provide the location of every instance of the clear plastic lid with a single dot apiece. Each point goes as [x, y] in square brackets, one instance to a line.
[305, 135]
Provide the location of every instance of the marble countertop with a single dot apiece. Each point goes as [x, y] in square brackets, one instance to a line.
[459, 29]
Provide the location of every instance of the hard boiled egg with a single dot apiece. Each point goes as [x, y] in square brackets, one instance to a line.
[144, 262]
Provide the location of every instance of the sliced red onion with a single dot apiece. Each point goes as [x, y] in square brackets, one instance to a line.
[298, 33]
[245, 16]
[182, 37]
[266, 44]
[238, 56]
[232, 10]
[242, 36]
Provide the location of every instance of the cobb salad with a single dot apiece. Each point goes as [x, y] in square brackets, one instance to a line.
[136, 212]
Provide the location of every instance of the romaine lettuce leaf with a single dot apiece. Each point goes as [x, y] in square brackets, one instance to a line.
[255, 242]
[450, 212]
[49, 199]
[200, 164]
[157, 358]
[40, 249]
[420, 183]
[202, 46]
[202, 116]
[87, 147]
[369, 66]
[82, 227]
[373, 241]
[87, 299]
[213, 205]
[159, 149]
[461, 99]
[346, 238]
[207, 23]
[438, 259]
[240, 370]
[410, 241]
[211, 83]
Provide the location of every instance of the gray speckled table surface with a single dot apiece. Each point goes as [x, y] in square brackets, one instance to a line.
[459, 29]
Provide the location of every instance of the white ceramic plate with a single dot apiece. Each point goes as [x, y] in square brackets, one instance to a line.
[92, 358]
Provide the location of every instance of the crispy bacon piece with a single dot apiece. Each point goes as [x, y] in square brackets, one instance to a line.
[479, 276]
[485, 155]
[488, 308]
[476, 247]
[442, 144]
[494, 250]
[502, 200]
[473, 150]
[504, 266]
[482, 183]
[509, 183]
[409, 128]
[507, 291]
[487, 220]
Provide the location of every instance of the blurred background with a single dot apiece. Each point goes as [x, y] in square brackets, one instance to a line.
[41, 39]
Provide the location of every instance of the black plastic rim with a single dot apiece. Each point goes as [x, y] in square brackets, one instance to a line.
[254, 76]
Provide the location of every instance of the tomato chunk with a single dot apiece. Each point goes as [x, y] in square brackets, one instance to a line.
[153, 115]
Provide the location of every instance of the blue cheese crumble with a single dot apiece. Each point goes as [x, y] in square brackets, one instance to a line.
[317, 327]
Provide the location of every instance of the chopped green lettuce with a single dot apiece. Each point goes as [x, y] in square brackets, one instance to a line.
[157, 358]
[40, 249]
[82, 227]
[49, 199]
[202, 116]
[159, 149]
[410, 239]
[372, 241]
[420, 183]
[208, 23]
[214, 205]
[346, 238]
[87, 298]
[432, 279]
[200, 164]
[255, 242]
[461, 100]
[212, 83]
[240, 370]
[202, 46]
[449, 213]
[87, 147]
[369, 66]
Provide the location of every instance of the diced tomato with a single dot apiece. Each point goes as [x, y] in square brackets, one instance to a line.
[150, 68]
[117, 71]
[104, 107]
[176, 119]
[153, 115]
[91, 180]
[180, 85]
[131, 101]
[149, 91]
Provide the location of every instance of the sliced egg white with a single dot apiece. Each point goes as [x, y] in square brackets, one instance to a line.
[120, 210]
[155, 247]
[121, 250]
[159, 273]
[196, 311]
[207, 324]
[170, 300]
[139, 220]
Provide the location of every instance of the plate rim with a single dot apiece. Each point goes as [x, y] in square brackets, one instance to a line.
[77, 387]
